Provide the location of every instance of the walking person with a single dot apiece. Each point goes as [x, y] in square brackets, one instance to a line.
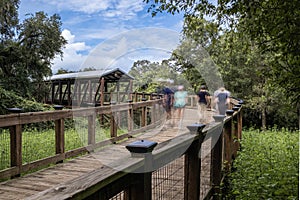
[203, 99]
[222, 100]
[180, 100]
[168, 101]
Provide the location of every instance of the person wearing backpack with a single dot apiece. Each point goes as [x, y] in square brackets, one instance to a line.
[222, 100]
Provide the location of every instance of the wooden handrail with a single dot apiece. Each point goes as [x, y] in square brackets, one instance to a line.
[15, 121]
[135, 185]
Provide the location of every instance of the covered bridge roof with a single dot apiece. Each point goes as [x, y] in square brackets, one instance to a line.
[112, 75]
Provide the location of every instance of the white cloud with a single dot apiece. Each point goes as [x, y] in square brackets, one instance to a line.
[68, 36]
[123, 49]
[105, 8]
[90, 6]
[95, 21]
[72, 57]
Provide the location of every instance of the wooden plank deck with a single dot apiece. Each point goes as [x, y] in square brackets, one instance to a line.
[35, 185]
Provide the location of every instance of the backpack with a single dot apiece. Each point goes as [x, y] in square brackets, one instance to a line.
[222, 97]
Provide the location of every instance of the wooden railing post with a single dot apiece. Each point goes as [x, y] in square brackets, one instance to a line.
[144, 113]
[113, 122]
[91, 129]
[102, 82]
[235, 143]
[113, 126]
[135, 97]
[192, 164]
[153, 113]
[16, 147]
[130, 116]
[216, 159]
[228, 144]
[142, 188]
[240, 125]
[144, 116]
[192, 171]
[59, 136]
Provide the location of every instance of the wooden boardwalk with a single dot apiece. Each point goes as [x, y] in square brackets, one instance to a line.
[39, 185]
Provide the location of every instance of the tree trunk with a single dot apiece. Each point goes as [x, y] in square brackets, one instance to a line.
[264, 119]
[298, 112]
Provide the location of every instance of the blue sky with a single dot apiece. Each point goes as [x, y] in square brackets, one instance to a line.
[118, 25]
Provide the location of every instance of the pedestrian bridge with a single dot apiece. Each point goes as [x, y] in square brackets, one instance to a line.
[145, 157]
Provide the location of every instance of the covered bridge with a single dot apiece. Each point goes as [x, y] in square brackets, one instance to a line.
[89, 88]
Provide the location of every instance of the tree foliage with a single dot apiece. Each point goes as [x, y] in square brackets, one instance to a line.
[255, 45]
[9, 100]
[27, 48]
[8, 18]
[272, 25]
[151, 76]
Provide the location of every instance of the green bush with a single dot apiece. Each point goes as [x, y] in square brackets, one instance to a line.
[11, 100]
[266, 166]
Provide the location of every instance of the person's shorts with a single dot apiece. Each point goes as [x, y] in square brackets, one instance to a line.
[179, 105]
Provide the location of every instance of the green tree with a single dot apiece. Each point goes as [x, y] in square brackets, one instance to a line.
[255, 44]
[27, 48]
[192, 58]
[272, 25]
[149, 75]
[8, 18]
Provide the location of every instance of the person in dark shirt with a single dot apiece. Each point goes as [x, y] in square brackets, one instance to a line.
[168, 101]
[222, 100]
[203, 99]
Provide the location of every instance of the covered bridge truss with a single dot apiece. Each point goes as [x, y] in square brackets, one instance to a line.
[89, 88]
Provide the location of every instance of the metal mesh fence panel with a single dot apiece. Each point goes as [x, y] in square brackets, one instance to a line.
[168, 182]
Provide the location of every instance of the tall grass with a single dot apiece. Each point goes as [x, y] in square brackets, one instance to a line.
[267, 167]
[38, 144]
